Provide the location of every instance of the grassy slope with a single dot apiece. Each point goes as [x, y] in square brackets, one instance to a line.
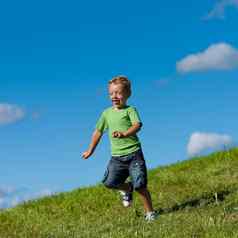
[196, 198]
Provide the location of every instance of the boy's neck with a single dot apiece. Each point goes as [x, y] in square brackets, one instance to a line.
[119, 108]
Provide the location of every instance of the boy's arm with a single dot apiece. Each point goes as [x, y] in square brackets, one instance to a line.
[94, 141]
[131, 131]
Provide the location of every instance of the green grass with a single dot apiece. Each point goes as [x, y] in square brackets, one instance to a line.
[195, 198]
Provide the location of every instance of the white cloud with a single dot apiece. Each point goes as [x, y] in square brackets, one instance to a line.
[200, 141]
[10, 197]
[221, 56]
[1, 202]
[4, 190]
[219, 9]
[5, 193]
[10, 113]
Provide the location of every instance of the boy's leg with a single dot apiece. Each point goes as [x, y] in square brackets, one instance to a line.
[126, 187]
[146, 199]
[115, 177]
[126, 191]
[150, 213]
[138, 173]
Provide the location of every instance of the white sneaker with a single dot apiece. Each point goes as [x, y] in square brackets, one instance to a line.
[126, 198]
[151, 216]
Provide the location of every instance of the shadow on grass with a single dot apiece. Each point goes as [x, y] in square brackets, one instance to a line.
[198, 202]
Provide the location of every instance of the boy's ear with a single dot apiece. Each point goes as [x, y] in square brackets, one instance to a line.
[128, 95]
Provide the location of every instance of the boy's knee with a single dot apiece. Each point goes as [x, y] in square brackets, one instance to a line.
[140, 184]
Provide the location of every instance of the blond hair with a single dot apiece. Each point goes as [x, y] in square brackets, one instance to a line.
[124, 81]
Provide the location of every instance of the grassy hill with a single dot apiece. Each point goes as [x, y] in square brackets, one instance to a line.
[196, 198]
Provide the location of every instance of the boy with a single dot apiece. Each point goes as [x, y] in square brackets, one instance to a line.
[127, 159]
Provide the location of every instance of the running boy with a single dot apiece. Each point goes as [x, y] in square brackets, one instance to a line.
[123, 122]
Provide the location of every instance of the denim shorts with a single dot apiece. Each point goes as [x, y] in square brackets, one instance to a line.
[122, 167]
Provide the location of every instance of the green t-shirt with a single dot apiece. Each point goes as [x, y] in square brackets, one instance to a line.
[120, 120]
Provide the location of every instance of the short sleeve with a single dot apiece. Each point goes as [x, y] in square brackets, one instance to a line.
[101, 124]
[134, 115]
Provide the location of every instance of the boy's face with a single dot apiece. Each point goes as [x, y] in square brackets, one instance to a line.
[118, 95]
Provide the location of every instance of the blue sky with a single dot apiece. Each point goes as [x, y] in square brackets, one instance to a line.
[56, 59]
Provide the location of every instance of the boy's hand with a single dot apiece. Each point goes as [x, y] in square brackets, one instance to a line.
[86, 154]
[118, 134]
